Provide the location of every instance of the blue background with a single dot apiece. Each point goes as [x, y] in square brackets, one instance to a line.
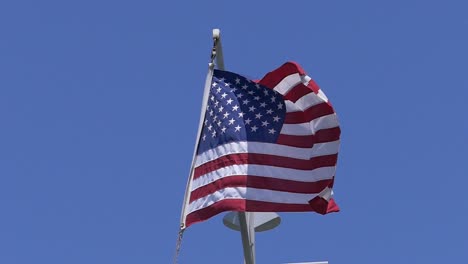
[99, 106]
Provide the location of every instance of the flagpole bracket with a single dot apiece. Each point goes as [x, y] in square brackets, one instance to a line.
[263, 221]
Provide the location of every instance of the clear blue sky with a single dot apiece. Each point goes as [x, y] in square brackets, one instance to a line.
[99, 106]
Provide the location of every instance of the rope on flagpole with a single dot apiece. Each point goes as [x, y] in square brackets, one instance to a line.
[178, 244]
[213, 50]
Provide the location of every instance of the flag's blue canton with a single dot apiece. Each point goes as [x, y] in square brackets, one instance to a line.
[240, 110]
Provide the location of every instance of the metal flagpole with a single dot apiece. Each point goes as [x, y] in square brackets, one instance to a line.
[246, 219]
[183, 216]
[206, 92]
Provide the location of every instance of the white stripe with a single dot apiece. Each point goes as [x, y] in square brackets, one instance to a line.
[288, 83]
[326, 193]
[319, 149]
[322, 95]
[307, 100]
[303, 103]
[309, 128]
[306, 79]
[323, 173]
[223, 194]
[251, 194]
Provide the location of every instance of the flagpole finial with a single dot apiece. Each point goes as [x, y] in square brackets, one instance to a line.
[216, 33]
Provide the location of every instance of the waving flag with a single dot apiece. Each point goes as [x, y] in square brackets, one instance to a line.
[266, 146]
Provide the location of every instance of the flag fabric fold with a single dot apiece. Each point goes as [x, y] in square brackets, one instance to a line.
[265, 146]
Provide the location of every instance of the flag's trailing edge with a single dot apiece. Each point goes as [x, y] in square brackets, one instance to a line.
[266, 146]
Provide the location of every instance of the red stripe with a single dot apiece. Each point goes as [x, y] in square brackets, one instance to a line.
[309, 114]
[287, 185]
[243, 205]
[272, 78]
[258, 206]
[267, 160]
[332, 206]
[327, 135]
[296, 141]
[214, 209]
[231, 181]
[260, 183]
[321, 136]
[313, 85]
[297, 92]
[323, 206]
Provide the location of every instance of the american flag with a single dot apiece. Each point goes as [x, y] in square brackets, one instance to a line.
[266, 146]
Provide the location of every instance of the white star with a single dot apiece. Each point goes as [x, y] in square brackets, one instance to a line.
[258, 116]
[206, 121]
[231, 121]
[247, 121]
[220, 109]
[269, 111]
[234, 89]
[244, 87]
[210, 127]
[252, 108]
[216, 103]
[257, 85]
[265, 92]
[204, 137]
[241, 114]
[218, 90]
[237, 128]
[219, 123]
[276, 118]
[213, 134]
[211, 113]
[224, 95]
[273, 99]
[262, 104]
[237, 80]
[271, 131]
[212, 98]
[265, 123]
[222, 79]
[227, 84]
[214, 84]
[280, 106]
[250, 92]
[239, 95]
[246, 101]
[229, 101]
[226, 115]
[256, 98]
[254, 128]
[223, 130]
[234, 108]
[215, 118]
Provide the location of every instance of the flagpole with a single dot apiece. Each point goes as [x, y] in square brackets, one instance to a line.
[206, 93]
[246, 219]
